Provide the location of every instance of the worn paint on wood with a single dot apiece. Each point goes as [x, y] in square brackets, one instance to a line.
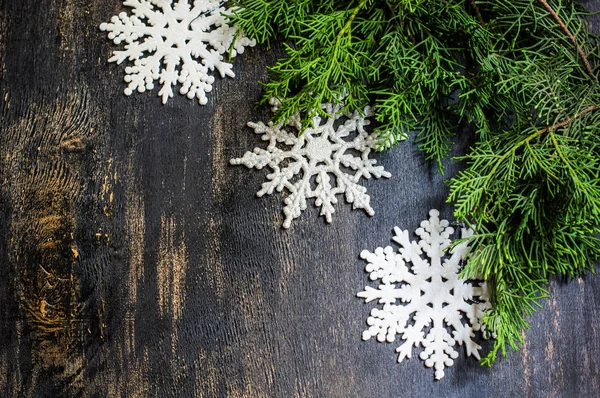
[135, 262]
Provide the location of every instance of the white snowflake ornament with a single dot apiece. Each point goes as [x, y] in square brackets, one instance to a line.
[174, 41]
[427, 303]
[321, 163]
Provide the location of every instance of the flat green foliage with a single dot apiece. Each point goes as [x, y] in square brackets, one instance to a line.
[405, 56]
[525, 83]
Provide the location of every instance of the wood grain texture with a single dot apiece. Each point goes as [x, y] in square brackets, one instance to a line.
[135, 262]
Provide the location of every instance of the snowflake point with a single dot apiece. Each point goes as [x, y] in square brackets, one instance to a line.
[439, 374]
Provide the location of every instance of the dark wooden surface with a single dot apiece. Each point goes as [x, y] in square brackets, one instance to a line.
[134, 261]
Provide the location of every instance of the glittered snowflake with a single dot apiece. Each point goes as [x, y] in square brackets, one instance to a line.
[320, 163]
[176, 41]
[427, 303]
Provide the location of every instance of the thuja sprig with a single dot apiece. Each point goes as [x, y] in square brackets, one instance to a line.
[407, 57]
[521, 73]
[531, 187]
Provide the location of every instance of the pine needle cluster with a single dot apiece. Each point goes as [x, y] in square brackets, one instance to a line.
[521, 73]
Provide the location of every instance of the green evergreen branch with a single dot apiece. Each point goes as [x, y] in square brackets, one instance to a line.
[569, 35]
[531, 185]
[347, 27]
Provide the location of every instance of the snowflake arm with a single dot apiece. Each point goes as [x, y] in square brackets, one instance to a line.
[165, 40]
[320, 164]
[430, 294]
[295, 203]
[412, 337]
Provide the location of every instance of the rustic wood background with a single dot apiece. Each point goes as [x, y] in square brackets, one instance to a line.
[134, 261]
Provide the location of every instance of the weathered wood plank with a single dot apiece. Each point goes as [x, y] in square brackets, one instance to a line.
[135, 262]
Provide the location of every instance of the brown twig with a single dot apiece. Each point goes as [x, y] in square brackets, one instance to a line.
[562, 25]
[568, 121]
[477, 12]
